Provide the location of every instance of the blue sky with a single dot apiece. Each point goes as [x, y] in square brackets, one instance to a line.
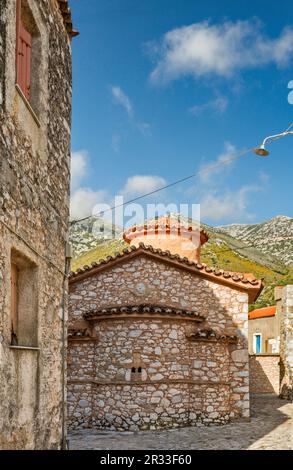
[166, 88]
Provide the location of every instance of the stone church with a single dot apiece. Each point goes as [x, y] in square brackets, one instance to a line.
[35, 121]
[156, 338]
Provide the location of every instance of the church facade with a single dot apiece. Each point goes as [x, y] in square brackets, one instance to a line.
[157, 339]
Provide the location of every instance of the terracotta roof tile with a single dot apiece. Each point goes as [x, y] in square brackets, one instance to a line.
[164, 225]
[143, 309]
[252, 286]
[262, 312]
[209, 334]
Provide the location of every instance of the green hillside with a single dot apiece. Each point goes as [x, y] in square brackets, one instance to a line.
[222, 251]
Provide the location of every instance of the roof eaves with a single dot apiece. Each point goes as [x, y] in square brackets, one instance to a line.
[252, 286]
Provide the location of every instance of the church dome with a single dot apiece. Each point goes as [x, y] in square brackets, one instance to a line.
[169, 234]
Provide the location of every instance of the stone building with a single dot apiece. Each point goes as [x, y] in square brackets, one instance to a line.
[35, 120]
[157, 339]
[284, 299]
[271, 371]
[264, 330]
[263, 348]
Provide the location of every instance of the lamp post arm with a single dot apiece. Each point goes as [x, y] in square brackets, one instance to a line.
[276, 137]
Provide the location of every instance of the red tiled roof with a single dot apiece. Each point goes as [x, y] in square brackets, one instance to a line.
[262, 312]
[165, 225]
[252, 286]
[142, 309]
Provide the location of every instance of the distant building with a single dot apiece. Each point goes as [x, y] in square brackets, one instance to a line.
[157, 339]
[35, 121]
[271, 346]
[264, 331]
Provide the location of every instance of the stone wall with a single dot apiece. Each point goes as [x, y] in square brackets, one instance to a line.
[264, 373]
[182, 381]
[34, 209]
[284, 298]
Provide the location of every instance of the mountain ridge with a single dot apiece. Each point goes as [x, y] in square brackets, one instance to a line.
[93, 240]
[272, 237]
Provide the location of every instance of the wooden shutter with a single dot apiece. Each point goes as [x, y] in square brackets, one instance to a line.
[23, 54]
[14, 298]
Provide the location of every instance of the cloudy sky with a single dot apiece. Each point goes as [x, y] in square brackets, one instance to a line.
[167, 88]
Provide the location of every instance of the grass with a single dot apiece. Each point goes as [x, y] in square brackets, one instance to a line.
[218, 251]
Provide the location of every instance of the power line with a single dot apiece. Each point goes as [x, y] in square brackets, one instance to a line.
[209, 168]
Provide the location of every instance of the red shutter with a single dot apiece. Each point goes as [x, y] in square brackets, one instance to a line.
[23, 55]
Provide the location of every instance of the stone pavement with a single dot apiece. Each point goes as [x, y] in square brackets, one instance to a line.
[270, 428]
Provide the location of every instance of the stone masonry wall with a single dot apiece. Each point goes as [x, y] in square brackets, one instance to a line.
[182, 382]
[286, 342]
[34, 209]
[264, 373]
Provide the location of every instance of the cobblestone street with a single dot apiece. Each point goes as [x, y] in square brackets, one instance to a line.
[270, 428]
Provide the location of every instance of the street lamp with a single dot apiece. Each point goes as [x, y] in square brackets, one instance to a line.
[262, 151]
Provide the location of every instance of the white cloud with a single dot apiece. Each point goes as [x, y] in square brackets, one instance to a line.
[122, 99]
[218, 202]
[227, 205]
[140, 184]
[218, 105]
[78, 168]
[222, 49]
[83, 201]
[214, 168]
[115, 143]
[144, 128]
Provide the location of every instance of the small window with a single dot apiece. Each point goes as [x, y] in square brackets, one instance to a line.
[136, 373]
[23, 53]
[14, 303]
[28, 53]
[23, 301]
[257, 343]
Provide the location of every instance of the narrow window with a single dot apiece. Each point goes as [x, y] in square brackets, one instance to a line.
[133, 370]
[23, 54]
[23, 301]
[14, 303]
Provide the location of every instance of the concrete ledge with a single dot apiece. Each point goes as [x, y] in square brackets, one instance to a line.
[264, 355]
[24, 348]
[27, 104]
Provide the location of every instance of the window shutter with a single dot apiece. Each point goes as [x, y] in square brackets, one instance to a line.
[14, 298]
[23, 55]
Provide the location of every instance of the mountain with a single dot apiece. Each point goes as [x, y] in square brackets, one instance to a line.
[91, 232]
[224, 250]
[273, 237]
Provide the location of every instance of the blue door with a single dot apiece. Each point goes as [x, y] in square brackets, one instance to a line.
[258, 344]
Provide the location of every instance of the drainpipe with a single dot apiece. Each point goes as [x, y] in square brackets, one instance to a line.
[68, 256]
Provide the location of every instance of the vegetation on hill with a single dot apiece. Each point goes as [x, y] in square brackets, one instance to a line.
[222, 250]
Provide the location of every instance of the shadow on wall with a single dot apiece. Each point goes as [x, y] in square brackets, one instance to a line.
[264, 374]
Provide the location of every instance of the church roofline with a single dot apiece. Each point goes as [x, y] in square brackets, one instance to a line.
[252, 287]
